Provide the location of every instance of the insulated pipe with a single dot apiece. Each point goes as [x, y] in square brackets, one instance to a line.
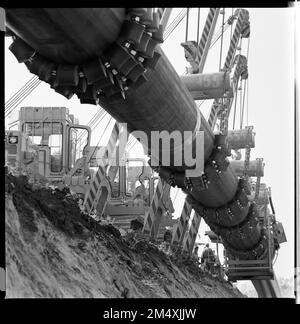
[256, 168]
[66, 35]
[161, 103]
[156, 105]
[241, 138]
[208, 85]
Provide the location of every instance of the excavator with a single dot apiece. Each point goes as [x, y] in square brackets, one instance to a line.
[112, 57]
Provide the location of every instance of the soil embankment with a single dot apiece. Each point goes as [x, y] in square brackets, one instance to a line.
[53, 250]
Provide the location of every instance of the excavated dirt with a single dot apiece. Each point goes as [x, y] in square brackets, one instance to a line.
[54, 250]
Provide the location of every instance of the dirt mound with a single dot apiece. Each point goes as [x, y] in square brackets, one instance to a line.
[54, 250]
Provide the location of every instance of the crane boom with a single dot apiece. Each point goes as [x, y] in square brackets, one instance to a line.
[196, 54]
[164, 14]
[95, 193]
[206, 36]
[190, 239]
[153, 218]
[241, 30]
[182, 225]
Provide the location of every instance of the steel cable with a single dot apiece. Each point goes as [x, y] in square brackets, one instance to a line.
[25, 95]
[19, 97]
[11, 98]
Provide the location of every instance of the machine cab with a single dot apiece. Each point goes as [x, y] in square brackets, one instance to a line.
[134, 180]
[56, 137]
[132, 190]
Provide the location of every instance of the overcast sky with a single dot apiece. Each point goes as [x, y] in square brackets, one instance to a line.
[270, 104]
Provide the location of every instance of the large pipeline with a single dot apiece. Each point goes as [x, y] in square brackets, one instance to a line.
[75, 36]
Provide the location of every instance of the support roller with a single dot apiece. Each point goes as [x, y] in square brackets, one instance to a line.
[208, 86]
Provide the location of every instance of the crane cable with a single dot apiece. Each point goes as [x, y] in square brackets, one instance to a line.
[102, 117]
[101, 136]
[11, 99]
[241, 105]
[95, 118]
[222, 36]
[83, 135]
[198, 26]
[174, 24]
[169, 29]
[244, 91]
[12, 104]
[16, 97]
[247, 84]
[130, 141]
[92, 121]
[21, 99]
[244, 95]
[216, 38]
[175, 20]
[218, 34]
[247, 102]
[134, 143]
[187, 25]
[21, 95]
[234, 113]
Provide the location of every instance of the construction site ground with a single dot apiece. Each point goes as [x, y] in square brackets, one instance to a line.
[54, 250]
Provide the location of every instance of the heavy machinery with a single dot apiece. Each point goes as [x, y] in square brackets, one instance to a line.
[47, 143]
[111, 57]
[51, 147]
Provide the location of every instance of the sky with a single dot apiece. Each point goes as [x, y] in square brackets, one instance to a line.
[270, 104]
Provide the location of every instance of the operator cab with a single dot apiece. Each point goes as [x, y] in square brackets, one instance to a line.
[132, 191]
[49, 143]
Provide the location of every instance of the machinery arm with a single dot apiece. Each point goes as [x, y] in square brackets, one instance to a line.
[241, 30]
[196, 54]
[182, 225]
[95, 193]
[151, 222]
